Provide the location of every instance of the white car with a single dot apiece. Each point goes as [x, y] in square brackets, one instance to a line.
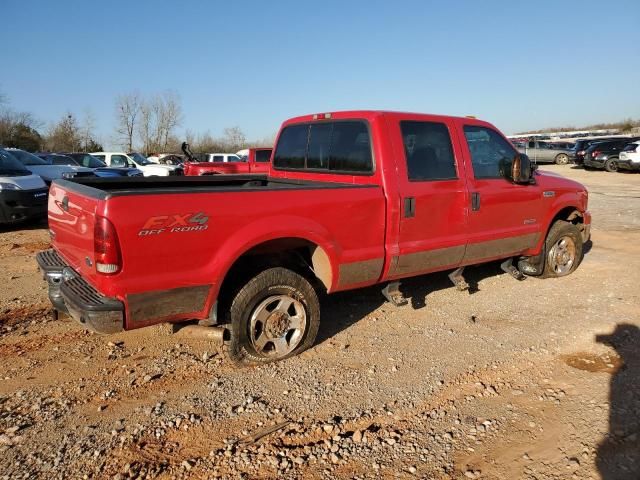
[139, 161]
[49, 172]
[166, 159]
[629, 158]
[221, 157]
[23, 195]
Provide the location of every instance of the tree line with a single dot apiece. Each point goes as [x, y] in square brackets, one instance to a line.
[142, 123]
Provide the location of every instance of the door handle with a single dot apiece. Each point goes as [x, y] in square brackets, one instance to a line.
[475, 201]
[409, 207]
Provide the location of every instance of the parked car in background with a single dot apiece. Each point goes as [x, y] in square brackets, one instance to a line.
[166, 159]
[562, 145]
[219, 157]
[252, 160]
[630, 157]
[543, 152]
[581, 145]
[139, 161]
[23, 195]
[604, 155]
[49, 172]
[101, 169]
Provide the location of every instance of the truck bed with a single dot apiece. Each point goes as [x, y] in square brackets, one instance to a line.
[104, 188]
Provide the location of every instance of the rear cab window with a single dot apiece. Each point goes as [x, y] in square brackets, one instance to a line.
[340, 146]
[263, 156]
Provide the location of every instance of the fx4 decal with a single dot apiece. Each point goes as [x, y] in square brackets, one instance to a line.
[181, 222]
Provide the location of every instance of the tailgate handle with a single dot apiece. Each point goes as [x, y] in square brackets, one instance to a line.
[475, 201]
[409, 207]
[65, 203]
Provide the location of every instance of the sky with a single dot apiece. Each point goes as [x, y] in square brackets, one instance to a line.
[253, 64]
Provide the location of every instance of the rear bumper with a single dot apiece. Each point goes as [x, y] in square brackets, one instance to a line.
[70, 293]
[17, 205]
[628, 165]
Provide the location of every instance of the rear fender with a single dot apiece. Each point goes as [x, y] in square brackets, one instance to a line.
[264, 230]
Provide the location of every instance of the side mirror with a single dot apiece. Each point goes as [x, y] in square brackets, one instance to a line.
[521, 170]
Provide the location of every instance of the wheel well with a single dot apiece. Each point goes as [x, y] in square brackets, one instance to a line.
[301, 256]
[568, 214]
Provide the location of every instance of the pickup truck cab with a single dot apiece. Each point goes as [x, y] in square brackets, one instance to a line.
[252, 160]
[544, 152]
[352, 199]
[139, 161]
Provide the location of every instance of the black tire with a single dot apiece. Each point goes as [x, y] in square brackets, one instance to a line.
[611, 165]
[252, 300]
[561, 261]
[562, 159]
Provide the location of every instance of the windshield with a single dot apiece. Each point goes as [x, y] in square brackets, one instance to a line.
[87, 160]
[139, 158]
[10, 166]
[27, 158]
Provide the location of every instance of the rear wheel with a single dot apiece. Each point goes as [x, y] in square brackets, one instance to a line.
[276, 315]
[563, 248]
[611, 165]
[562, 159]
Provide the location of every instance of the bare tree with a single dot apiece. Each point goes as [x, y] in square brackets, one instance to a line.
[159, 117]
[234, 138]
[65, 135]
[127, 111]
[87, 130]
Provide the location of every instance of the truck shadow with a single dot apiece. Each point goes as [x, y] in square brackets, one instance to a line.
[618, 455]
[341, 310]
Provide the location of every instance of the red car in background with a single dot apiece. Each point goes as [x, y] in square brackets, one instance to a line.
[256, 161]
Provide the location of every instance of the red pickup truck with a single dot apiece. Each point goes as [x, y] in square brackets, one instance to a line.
[256, 161]
[352, 199]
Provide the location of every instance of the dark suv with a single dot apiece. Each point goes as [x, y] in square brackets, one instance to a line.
[605, 154]
[581, 146]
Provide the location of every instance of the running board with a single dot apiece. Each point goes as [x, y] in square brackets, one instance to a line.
[393, 294]
[507, 267]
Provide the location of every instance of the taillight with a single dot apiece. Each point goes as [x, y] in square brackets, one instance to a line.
[106, 247]
[581, 152]
[595, 153]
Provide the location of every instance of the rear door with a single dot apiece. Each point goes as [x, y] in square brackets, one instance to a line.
[433, 200]
[505, 218]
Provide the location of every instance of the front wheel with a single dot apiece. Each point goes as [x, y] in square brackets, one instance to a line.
[562, 159]
[563, 248]
[611, 165]
[276, 315]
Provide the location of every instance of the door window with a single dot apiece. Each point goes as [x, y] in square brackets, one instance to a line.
[263, 156]
[428, 151]
[118, 161]
[491, 154]
[218, 158]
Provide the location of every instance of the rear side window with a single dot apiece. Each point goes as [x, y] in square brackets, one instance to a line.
[263, 156]
[491, 154]
[218, 158]
[428, 151]
[330, 146]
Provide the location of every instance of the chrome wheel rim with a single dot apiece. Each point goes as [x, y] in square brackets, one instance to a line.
[277, 326]
[563, 160]
[562, 255]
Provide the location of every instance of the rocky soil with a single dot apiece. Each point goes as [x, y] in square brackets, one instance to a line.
[533, 380]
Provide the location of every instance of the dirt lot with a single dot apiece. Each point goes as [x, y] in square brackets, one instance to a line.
[534, 380]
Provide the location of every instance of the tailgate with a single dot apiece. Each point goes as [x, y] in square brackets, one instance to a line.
[71, 223]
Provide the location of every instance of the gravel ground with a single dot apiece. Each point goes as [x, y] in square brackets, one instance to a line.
[533, 380]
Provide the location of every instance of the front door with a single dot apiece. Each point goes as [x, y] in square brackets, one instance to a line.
[505, 218]
[433, 198]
